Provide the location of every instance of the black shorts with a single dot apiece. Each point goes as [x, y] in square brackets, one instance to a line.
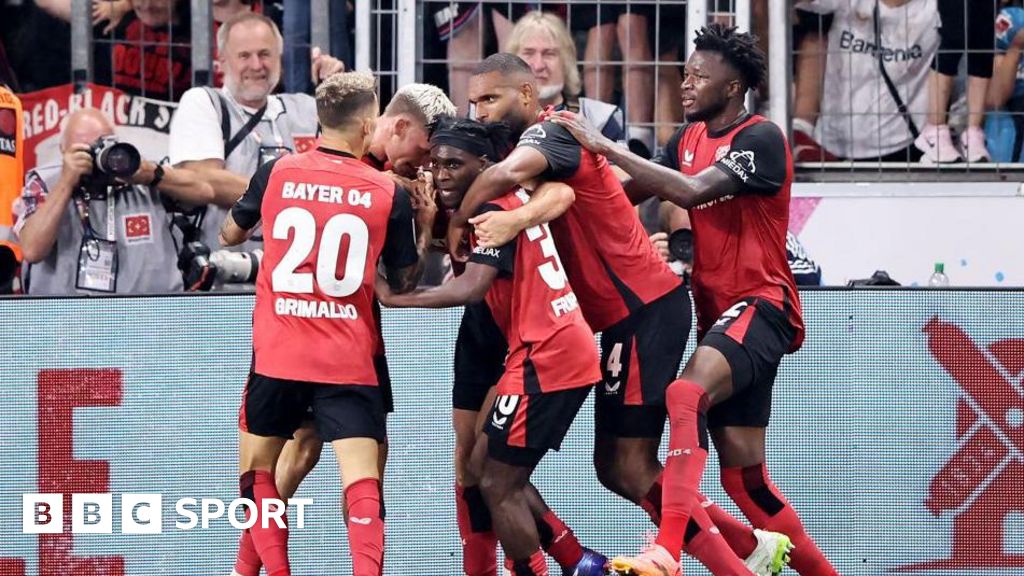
[480, 351]
[380, 364]
[277, 407]
[521, 429]
[753, 335]
[640, 357]
[669, 19]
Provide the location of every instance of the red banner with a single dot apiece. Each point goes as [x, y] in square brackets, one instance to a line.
[143, 122]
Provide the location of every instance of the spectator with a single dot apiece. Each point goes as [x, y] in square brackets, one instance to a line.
[966, 28]
[37, 65]
[297, 42]
[810, 36]
[1003, 127]
[85, 235]
[401, 140]
[224, 10]
[875, 76]
[640, 31]
[543, 42]
[148, 52]
[470, 31]
[224, 134]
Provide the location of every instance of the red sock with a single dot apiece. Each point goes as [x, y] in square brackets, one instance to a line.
[365, 527]
[557, 539]
[739, 535]
[248, 562]
[651, 503]
[687, 452]
[706, 544]
[766, 508]
[479, 543]
[535, 565]
[271, 542]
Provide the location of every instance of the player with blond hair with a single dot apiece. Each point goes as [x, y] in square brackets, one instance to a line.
[315, 331]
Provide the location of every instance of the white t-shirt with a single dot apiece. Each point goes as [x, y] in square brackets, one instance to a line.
[859, 116]
[196, 134]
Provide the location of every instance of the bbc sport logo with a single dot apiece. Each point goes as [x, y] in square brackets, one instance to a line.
[144, 513]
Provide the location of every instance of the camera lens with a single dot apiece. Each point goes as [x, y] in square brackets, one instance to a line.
[680, 245]
[120, 160]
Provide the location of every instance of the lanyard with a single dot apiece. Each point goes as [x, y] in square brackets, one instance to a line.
[82, 203]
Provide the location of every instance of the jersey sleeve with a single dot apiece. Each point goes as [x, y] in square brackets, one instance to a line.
[669, 154]
[502, 257]
[400, 244]
[757, 159]
[561, 150]
[247, 211]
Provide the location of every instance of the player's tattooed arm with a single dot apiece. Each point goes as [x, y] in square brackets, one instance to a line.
[231, 234]
[649, 177]
[403, 255]
[468, 287]
[548, 201]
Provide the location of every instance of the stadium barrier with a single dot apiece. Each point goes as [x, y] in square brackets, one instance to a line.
[898, 433]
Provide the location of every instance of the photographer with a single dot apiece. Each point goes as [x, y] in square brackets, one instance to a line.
[96, 223]
[225, 134]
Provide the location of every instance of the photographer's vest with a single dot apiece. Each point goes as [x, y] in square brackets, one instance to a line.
[287, 117]
[147, 258]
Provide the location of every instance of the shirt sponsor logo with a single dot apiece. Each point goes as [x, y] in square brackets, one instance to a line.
[490, 252]
[138, 228]
[721, 152]
[688, 158]
[725, 198]
[849, 41]
[533, 135]
[741, 162]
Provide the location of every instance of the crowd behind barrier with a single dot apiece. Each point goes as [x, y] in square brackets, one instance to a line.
[891, 83]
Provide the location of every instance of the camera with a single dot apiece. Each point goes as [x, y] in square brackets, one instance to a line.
[114, 159]
[680, 245]
[113, 163]
[237, 267]
[201, 268]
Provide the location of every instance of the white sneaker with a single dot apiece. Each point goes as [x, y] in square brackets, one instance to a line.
[973, 143]
[771, 554]
[937, 144]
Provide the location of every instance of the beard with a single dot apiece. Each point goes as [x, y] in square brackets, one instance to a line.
[251, 93]
[550, 92]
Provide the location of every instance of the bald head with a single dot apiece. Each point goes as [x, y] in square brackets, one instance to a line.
[84, 127]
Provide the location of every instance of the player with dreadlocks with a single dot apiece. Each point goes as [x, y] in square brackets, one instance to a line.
[732, 170]
[550, 366]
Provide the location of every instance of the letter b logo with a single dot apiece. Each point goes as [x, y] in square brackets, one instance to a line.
[92, 513]
[42, 513]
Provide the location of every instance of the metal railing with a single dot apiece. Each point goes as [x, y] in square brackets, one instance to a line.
[399, 41]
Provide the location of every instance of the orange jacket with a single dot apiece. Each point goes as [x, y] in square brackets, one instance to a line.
[12, 164]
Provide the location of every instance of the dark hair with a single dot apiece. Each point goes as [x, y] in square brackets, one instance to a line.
[739, 49]
[504, 63]
[493, 140]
